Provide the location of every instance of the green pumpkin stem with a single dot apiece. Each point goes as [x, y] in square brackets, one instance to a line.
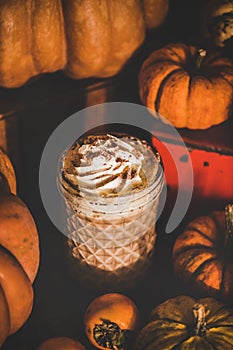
[200, 57]
[199, 314]
[229, 222]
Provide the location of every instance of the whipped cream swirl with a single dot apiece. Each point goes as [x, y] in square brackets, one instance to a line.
[109, 166]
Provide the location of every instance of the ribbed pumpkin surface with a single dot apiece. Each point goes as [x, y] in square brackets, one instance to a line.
[175, 87]
[203, 256]
[172, 326]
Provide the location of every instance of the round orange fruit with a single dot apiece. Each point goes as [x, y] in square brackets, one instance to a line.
[61, 343]
[109, 321]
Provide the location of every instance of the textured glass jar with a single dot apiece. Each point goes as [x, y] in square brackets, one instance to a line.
[116, 234]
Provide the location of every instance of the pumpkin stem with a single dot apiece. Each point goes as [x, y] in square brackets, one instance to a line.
[229, 222]
[199, 314]
[200, 57]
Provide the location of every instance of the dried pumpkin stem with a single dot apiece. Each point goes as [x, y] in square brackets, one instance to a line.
[200, 57]
[199, 314]
[229, 222]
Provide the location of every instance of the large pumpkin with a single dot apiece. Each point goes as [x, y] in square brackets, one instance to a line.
[19, 255]
[183, 323]
[187, 87]
[203, 257]
[87, 38]
[18, 233]
[218, 22]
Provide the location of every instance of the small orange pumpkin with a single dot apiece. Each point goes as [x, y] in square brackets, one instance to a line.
[109, 319]
[61, 343]
[203, 257]
[186, 86]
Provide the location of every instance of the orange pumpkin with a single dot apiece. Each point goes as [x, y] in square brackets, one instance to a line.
[18, 233]
[61, 343]
[19, 254]
[203, 257]
[155, 12]
[187, 87]
[7, 171]
[17, 289]
[87, 38]
[109, 320]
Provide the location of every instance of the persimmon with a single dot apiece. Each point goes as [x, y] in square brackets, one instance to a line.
[109, 320]
[61, 343]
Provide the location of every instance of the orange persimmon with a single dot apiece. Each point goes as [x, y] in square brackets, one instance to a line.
[109, 319]
[61, 343]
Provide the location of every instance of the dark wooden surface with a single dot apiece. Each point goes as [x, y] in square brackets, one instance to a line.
[39, 107]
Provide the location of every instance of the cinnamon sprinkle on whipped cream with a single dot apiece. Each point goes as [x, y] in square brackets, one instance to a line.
[108, 166]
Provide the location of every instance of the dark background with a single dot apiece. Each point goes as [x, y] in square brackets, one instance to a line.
[61, 297]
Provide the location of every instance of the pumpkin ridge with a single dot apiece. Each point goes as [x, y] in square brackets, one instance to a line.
[193, 247]
[167, 319]
[201, 267]
[195, 229]
[150, 339]
[213, 217]
[217, 71]
[189, 86]
[179, 47]
[222, 284]
[223, 77]
[190, 61]
[176, 347]
[225, 341]
[161, 87]
[216, 222]
[212, 325]
[210, 59]
[166, 61]
[214, 347]
[220, 63]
